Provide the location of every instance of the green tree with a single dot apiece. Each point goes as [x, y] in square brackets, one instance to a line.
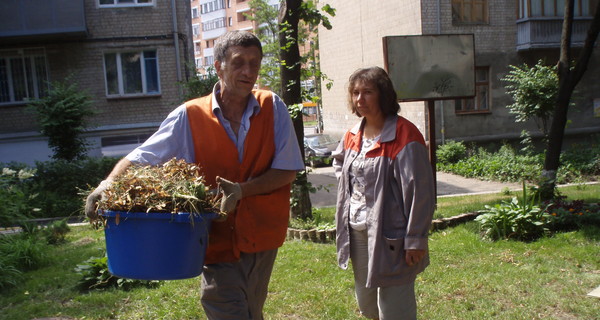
[198, 84]
[290, 14]
[534, 91]
[569, 76]
[265, 17]
[63, 116]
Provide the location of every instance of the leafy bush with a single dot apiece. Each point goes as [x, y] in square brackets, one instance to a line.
[24, 252]
[53, 190]
[572, 215]
[507, 164]
[56, 232]
[95, 275]
[519, 220]
[15, 199]
[10, 275]
[321, 220]
[62, 117]
[451, 152]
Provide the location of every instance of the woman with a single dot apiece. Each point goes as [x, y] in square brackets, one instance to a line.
[385, 199]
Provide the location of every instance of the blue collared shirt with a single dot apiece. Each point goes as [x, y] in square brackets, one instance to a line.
[174, 137]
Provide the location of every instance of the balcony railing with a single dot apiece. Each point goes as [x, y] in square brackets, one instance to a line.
[538, 33]
[41, 18]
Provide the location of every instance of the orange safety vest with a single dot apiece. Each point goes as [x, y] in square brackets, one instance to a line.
[260, 222]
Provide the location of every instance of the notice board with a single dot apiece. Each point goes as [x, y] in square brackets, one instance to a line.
[431, 67]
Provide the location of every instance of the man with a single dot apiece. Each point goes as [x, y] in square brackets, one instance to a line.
[245, 143]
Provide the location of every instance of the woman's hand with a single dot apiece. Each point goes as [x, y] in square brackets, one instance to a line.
[414, 256]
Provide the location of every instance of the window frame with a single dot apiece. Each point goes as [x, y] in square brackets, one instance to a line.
[476, 100]
[143, 74]
[525, 9]
[32, 84]
[460, 20]
[133, 3]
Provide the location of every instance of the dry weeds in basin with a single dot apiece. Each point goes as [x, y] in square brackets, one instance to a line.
[176, 186]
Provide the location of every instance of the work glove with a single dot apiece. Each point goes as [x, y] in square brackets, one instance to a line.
[93, 197]
[232, 192]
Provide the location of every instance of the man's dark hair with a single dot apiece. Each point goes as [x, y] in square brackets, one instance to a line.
[235, 38]
[388, 100]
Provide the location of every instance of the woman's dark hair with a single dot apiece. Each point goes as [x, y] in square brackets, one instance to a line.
[235, 38]
[388, 100]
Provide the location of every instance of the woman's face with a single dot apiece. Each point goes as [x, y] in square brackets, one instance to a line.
[365, 97]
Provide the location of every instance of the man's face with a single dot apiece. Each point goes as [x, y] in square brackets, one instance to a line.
[239, 71]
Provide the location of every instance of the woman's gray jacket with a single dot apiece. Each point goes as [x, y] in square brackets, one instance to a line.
[400, 195]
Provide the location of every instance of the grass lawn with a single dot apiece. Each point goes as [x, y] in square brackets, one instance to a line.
[469, 278]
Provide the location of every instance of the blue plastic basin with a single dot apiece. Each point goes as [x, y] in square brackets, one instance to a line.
[156, 246]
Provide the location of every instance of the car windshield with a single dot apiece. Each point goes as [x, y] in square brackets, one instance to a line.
[320, 140]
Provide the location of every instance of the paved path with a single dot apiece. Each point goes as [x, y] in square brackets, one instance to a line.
[447, 185]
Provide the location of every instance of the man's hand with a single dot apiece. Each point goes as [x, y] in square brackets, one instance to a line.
[232, 192]
[93, 197]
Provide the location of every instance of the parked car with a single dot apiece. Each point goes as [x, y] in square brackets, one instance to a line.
[318, 148]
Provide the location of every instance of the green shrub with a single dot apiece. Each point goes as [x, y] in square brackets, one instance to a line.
[24, 251]
[95, 275]
[518, 220]
[10, 275]
[451, 152]
[15, 197]
[572, 215]
[322, 219]
[56, 232]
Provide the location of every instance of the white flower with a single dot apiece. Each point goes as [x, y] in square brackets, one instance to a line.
[8, 172]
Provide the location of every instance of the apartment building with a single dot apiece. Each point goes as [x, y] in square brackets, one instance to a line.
[128, 55]
[505, 32]
[211, 19]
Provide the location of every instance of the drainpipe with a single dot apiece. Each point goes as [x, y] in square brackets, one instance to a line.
[439, 31]
[176, 43]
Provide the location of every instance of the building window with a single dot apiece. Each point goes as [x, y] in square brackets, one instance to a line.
[196, 30]
[195, 13]
[469, 11]
[23, 75]
[131, 73]
[555, 8]
[209, 61]
[125, 3]
[213, 6]
[213, 24]
[481, 102]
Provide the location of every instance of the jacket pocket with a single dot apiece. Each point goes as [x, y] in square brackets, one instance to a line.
[392, 259]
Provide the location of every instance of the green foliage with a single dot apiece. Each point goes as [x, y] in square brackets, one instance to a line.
[572, 215]
[55, 233]
[10, 275]
[322, 219]
[265, 16]
[24, 251]
[95, 275]
[517, 220]
[15, 199]
[451, 152]
[199, 84]
[507, 164]
[534, 91]
[54, 190]
[62, 116]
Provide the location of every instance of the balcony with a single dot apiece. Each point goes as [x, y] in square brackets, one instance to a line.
[543, 33]
[41, 20]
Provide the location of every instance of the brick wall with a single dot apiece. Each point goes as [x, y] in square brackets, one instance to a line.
[355, 41]
[114, 29]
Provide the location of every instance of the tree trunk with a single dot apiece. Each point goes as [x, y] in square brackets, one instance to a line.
[291, 94]
[568, 79]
